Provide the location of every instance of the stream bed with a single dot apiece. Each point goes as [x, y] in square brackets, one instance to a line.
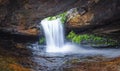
[23, 56]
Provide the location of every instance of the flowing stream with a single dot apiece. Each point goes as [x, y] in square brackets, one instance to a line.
[57, 53]
[54, 34]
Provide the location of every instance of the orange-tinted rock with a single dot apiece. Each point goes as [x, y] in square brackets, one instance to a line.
[76, 20]
[19, 45]
[17, 67]
[111, 65]
[33, 32]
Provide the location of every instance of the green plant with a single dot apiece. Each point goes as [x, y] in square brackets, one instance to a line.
[90, 39]
[62, 17]
[74, 37]
[42, 40]
[51, 18]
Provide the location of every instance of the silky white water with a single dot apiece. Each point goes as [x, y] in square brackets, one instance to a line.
[54, 34]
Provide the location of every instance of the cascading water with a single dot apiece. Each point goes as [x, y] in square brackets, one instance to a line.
[54, 34]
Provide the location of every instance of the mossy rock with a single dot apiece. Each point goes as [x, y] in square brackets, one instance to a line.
[62, 17]
[90, 39]
[42, 40]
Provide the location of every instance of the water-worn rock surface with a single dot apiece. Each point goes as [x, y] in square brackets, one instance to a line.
[23, 56]
[23, 16]
[95, 65]
[20, 57]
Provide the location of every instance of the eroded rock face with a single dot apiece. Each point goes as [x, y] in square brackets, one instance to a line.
[77, 20]
[95, 16]
[23, 16]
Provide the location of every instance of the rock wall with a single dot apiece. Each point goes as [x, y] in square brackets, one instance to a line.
[97, 16]
[22, 17]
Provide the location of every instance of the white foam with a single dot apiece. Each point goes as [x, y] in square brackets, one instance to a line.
[54, 35]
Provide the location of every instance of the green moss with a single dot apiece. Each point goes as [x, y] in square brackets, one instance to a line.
[42, 40]
[90, 39]
[51, 18]
[74, 37]
[62, 17]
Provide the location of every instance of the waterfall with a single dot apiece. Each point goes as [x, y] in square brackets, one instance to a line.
[54, 34]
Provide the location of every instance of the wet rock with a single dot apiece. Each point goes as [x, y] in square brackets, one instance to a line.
[20, 45]
[95, 16]
[109, 65]
[77, 20]
[15, 56]
[19, 31]
[17, 67]
[18, 16]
